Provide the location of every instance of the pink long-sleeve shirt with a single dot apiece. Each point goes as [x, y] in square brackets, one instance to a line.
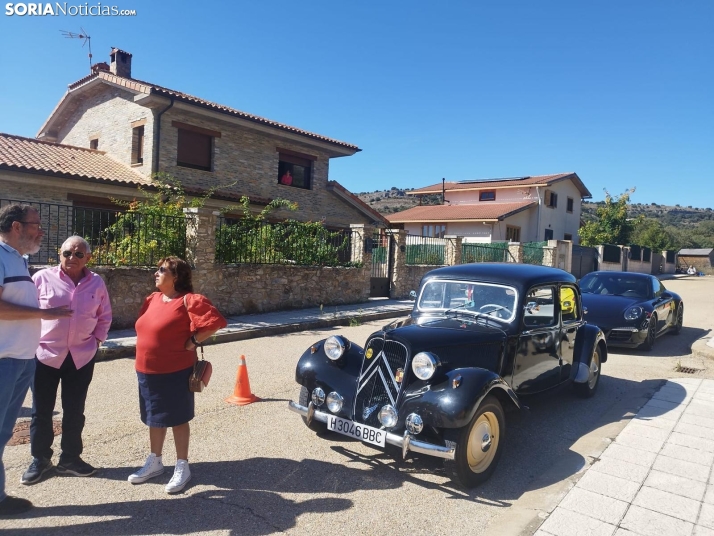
[81, 333]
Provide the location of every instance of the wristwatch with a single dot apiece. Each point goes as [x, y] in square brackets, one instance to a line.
[194, 341]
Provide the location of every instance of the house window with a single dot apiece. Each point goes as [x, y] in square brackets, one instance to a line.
[570, 205]
[137, 145]
[487, 196]
[195, 146]
[513, 234]
[567, 236]
[433, 231]
[294, 169]
[94, 144]
[551, 199]
[548, 234]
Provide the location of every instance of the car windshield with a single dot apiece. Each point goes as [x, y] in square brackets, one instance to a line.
[471, 297]
[615, 285]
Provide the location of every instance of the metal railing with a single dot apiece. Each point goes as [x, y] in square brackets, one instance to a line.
[477, 252]
[289, 242]
[117, 238]
[425, 250]
[533, 252]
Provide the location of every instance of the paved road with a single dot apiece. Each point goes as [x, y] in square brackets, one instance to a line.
[259, 470]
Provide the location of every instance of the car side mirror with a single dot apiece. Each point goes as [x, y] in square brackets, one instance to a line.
[585, 310]
[412, 294]
[531, 307]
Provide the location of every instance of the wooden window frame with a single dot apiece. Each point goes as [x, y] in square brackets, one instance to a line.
[192, 136]
[487, 195]
[517, 231]
[137, 145]
[570, 205]
[300, 166]
[550, 199]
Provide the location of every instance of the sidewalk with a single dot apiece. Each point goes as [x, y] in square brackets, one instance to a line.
[122, 343]
[655, 477]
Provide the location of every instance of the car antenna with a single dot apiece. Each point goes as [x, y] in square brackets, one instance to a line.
[87, 41]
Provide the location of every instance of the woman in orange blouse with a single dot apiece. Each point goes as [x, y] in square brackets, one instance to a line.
[171, 324]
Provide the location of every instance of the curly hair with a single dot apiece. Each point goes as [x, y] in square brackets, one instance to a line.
[181, 270]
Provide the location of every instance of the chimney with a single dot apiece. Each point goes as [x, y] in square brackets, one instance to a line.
[103, 66]
[120, 63]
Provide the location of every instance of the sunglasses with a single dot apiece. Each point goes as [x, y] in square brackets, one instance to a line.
[163, 269]
[68, 254]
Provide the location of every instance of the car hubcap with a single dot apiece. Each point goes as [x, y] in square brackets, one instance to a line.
[594, 370]
[483, 442]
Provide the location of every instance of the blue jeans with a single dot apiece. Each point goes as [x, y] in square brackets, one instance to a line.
[15, 378]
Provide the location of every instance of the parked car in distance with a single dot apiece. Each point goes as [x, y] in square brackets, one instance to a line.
[631, 309]
[480, 338]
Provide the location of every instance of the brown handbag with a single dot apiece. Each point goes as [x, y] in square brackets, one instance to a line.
[202, 369]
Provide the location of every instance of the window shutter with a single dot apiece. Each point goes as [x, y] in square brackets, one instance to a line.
[194, 149]
[548, 195]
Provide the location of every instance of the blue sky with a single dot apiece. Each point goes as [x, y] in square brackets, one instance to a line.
[621, 92]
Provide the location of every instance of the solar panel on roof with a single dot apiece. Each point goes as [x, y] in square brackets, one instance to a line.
[473, 181]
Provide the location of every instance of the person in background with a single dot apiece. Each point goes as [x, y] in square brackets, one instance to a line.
[172, 324]
[66, 354]
[287, 178]
[20, 234]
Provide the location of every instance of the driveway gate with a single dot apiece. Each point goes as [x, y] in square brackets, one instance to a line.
[382, 264]
[584, 261]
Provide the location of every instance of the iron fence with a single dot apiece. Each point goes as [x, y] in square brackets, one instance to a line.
[117, 238]
[425, 250]
[533, 252]
[290, 242]
[478, 252]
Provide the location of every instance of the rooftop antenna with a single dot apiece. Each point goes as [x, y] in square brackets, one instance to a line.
[87, 40]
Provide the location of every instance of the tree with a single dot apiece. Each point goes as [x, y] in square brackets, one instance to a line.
[612, 225]
[652, 234]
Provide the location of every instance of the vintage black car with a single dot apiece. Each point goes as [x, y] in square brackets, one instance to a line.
[479, 339]
[631, 309]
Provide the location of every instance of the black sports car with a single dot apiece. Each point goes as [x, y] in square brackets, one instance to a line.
[480, 337]
[632, 309]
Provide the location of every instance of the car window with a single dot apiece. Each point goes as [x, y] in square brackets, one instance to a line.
[540, 309]
[657, 287]
[498, 301]
[568, 304]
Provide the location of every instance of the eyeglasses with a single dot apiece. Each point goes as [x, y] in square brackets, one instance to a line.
[39, 225]
[163, 269]
[68, 254]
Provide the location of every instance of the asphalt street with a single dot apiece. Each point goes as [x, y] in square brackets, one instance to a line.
[258, 470]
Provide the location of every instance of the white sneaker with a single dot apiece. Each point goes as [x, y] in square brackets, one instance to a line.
[182, 474]
[153, 467]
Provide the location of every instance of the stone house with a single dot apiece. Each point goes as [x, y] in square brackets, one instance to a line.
[137, 128]
[702, 259]
[519, 209]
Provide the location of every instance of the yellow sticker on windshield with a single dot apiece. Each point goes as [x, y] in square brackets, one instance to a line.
[368, 353]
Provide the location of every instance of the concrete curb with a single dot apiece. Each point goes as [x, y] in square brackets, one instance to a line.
[126, 347]
[703, 348]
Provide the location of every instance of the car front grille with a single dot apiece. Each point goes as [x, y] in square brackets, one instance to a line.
[620, 335]
[377, 384]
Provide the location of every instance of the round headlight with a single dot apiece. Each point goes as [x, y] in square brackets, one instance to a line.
[334, 402]
[335, 347]
[633, 313]
[388, 416]
[424, 365]
[414, 423]
[318, 396]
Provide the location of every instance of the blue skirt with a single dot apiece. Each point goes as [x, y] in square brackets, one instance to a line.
[164, 399]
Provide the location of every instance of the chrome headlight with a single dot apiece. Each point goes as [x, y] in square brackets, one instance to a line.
[318, 396]
[424, 365]
[414, 423]
[335, 347]
[334, 402]
[388, 416]
[633, 313]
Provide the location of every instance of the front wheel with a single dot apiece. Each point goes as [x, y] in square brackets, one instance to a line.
[478, 445]
[587, 389]
[651, 334]
[315, 426]
[680, 320]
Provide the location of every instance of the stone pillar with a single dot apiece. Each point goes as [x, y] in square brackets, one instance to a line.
[400, 282]
[563, 254]
[201, 237]
[516, 252]
[361, 252]
[550, 255]
[453, 251]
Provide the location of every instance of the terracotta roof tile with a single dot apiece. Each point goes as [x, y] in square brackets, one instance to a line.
[490, 184]
[27, 154]
[444, 213]
[147, 87]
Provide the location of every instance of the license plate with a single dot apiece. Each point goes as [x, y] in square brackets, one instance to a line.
[358, 431]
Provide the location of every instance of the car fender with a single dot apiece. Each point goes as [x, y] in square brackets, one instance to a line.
[315, 369]
[586, 339]
[452, 402]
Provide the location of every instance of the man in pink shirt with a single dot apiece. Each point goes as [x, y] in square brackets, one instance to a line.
[66, 354]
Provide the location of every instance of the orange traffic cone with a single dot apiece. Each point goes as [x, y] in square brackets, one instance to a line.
[241, 394]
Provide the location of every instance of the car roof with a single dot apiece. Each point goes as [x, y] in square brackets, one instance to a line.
[514, 274]
[635, 275]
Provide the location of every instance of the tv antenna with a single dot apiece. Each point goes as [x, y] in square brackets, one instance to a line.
[87, 40]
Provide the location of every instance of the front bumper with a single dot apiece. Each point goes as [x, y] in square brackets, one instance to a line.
[629, 337]
[406, 442]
